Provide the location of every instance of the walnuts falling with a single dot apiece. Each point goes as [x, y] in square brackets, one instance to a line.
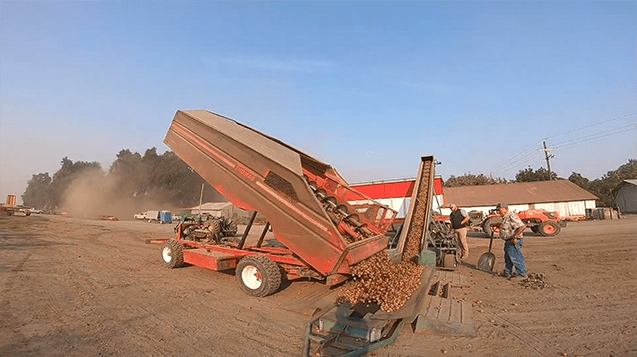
[377, 280]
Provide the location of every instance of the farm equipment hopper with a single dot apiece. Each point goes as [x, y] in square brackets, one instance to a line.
[302, 198]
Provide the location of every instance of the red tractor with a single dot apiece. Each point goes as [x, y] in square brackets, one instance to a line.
[543, 222]
[540, 221]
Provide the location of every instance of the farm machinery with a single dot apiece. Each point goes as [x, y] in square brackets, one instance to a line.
[321, 234]
[302, 198]
[206, 228]
[306, 205]
[542, 222]
[10, 207]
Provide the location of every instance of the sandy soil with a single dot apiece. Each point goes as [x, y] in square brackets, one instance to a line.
[71, 287]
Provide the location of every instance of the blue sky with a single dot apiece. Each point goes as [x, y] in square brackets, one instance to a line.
[368, 87]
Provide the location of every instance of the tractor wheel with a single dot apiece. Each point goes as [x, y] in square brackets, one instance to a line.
[215, 228]
[490, 224]
[536, 229]
[549, 228]
[449, 262]
[172, 254]
[258, 275]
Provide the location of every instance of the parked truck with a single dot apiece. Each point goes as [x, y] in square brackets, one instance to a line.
[155, 216]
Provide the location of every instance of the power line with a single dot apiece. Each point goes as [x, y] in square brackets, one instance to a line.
[594, 136]
[521, 153]
[516, 159]
[595, 124]
[522, 160]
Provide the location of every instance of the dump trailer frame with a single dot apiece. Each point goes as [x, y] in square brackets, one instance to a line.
[302, 198]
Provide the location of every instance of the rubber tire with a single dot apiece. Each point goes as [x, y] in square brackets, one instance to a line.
[449, 262]
[549, 228]
[494, 221]
[174, 252]
[215, 228]
[536, 229]
[270, 280]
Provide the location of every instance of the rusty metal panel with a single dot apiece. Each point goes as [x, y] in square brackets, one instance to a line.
[260, 173]
[210, 260]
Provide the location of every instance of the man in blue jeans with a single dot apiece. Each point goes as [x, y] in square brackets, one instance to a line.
[511, 232]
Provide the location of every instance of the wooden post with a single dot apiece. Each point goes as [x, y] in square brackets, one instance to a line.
[201, 198]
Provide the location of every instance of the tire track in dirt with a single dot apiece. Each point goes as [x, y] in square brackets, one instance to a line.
[521, 334]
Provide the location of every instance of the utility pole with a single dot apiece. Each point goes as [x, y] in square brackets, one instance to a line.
[201, 199]
[548, 159]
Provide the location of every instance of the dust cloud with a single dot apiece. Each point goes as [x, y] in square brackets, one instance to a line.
[93, 195]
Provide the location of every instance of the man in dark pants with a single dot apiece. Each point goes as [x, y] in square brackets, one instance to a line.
[459, 222]
[511, 231]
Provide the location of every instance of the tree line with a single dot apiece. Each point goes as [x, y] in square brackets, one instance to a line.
[162, 179]
[166, 179]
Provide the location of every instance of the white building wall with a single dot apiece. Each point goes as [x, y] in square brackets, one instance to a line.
[564, 209]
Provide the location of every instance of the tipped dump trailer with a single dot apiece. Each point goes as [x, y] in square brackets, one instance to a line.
[302, 198]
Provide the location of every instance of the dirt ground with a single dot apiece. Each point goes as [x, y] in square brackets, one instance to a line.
[72, 287]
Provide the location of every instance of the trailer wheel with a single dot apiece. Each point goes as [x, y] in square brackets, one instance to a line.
[258, 275]
[490, 224]
[172, 254]
[449, 261]
[549, 228]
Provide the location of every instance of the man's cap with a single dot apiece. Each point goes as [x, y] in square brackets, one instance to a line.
[452, 205]
[502, 205]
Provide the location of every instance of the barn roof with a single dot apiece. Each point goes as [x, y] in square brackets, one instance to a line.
[517, 193]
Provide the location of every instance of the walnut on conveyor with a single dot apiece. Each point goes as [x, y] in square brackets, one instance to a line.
[378, 280]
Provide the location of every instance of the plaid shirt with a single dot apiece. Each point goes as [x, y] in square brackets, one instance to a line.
[510, 222]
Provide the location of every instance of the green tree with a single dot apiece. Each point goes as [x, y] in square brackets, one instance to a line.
[173, 179]
[579, 180]
[603, 187]
[469, 179]
[129, 174]
[530, 175]
[38, 192]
